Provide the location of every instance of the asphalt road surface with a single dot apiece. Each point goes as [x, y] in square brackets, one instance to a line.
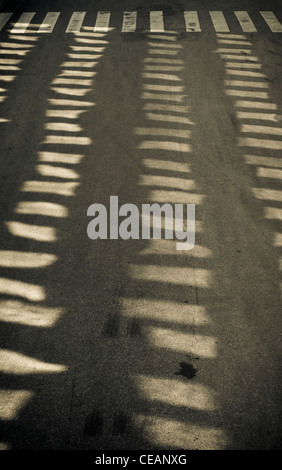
[115, 344]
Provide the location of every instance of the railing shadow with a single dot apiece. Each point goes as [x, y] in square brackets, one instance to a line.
[130, 344]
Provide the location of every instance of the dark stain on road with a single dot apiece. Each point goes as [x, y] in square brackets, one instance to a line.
[186, 370]
[134, 328]
[111, 326]
[120, 424]
[94, 424]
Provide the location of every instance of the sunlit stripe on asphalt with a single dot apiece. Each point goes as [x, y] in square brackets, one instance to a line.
[62, 189]
[49, 22]
[271, 21]
[175, 392]
[192, 21]
[102, 21]
[25, 259]
[156, 22]
[38, 233]
[266, 161]
[172, 340]
[256, 105]
[248, 94]
[251, 128]
[4, 17]
[10, 61]
[12, 401]
[219, 22]
[86, 65]
[261, 143]
[171, 275]
[29, 314]
[12, 362]
[235, 50]
[162, 311]
[22, 24]
[129, 22]
[48, 209]
[246, 83]
[270, 173]
[31, 292]
[273, 213]
[267, 194]
[244, 59]
[245, 22]
[75, 22]
[242, 65]
[171, 432]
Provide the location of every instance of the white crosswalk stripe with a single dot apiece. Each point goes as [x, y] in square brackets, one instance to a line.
[156, 22]
[245, 21]
[192, 22]
[219, 22]
[272, 21]
[102, 22]
[49, 22]
[22, 24]
[129, 22]
[76, 21]
[4, 18]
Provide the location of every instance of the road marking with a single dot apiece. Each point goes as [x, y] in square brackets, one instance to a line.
[4, 17]
[192, 21]
[49, 22]
[219, 22]
[271, 21]
[156, 22]
[75, 22]
[129, 22]
[245, 22]
[102, 22]
[22, 24]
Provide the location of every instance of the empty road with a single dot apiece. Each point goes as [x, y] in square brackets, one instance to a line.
[121, 344]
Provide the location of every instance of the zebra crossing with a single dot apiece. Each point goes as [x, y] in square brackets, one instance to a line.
[154, 21]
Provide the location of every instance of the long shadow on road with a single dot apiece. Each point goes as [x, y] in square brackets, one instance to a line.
[130, 344]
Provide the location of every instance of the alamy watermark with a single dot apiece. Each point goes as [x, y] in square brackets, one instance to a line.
[154, 219]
